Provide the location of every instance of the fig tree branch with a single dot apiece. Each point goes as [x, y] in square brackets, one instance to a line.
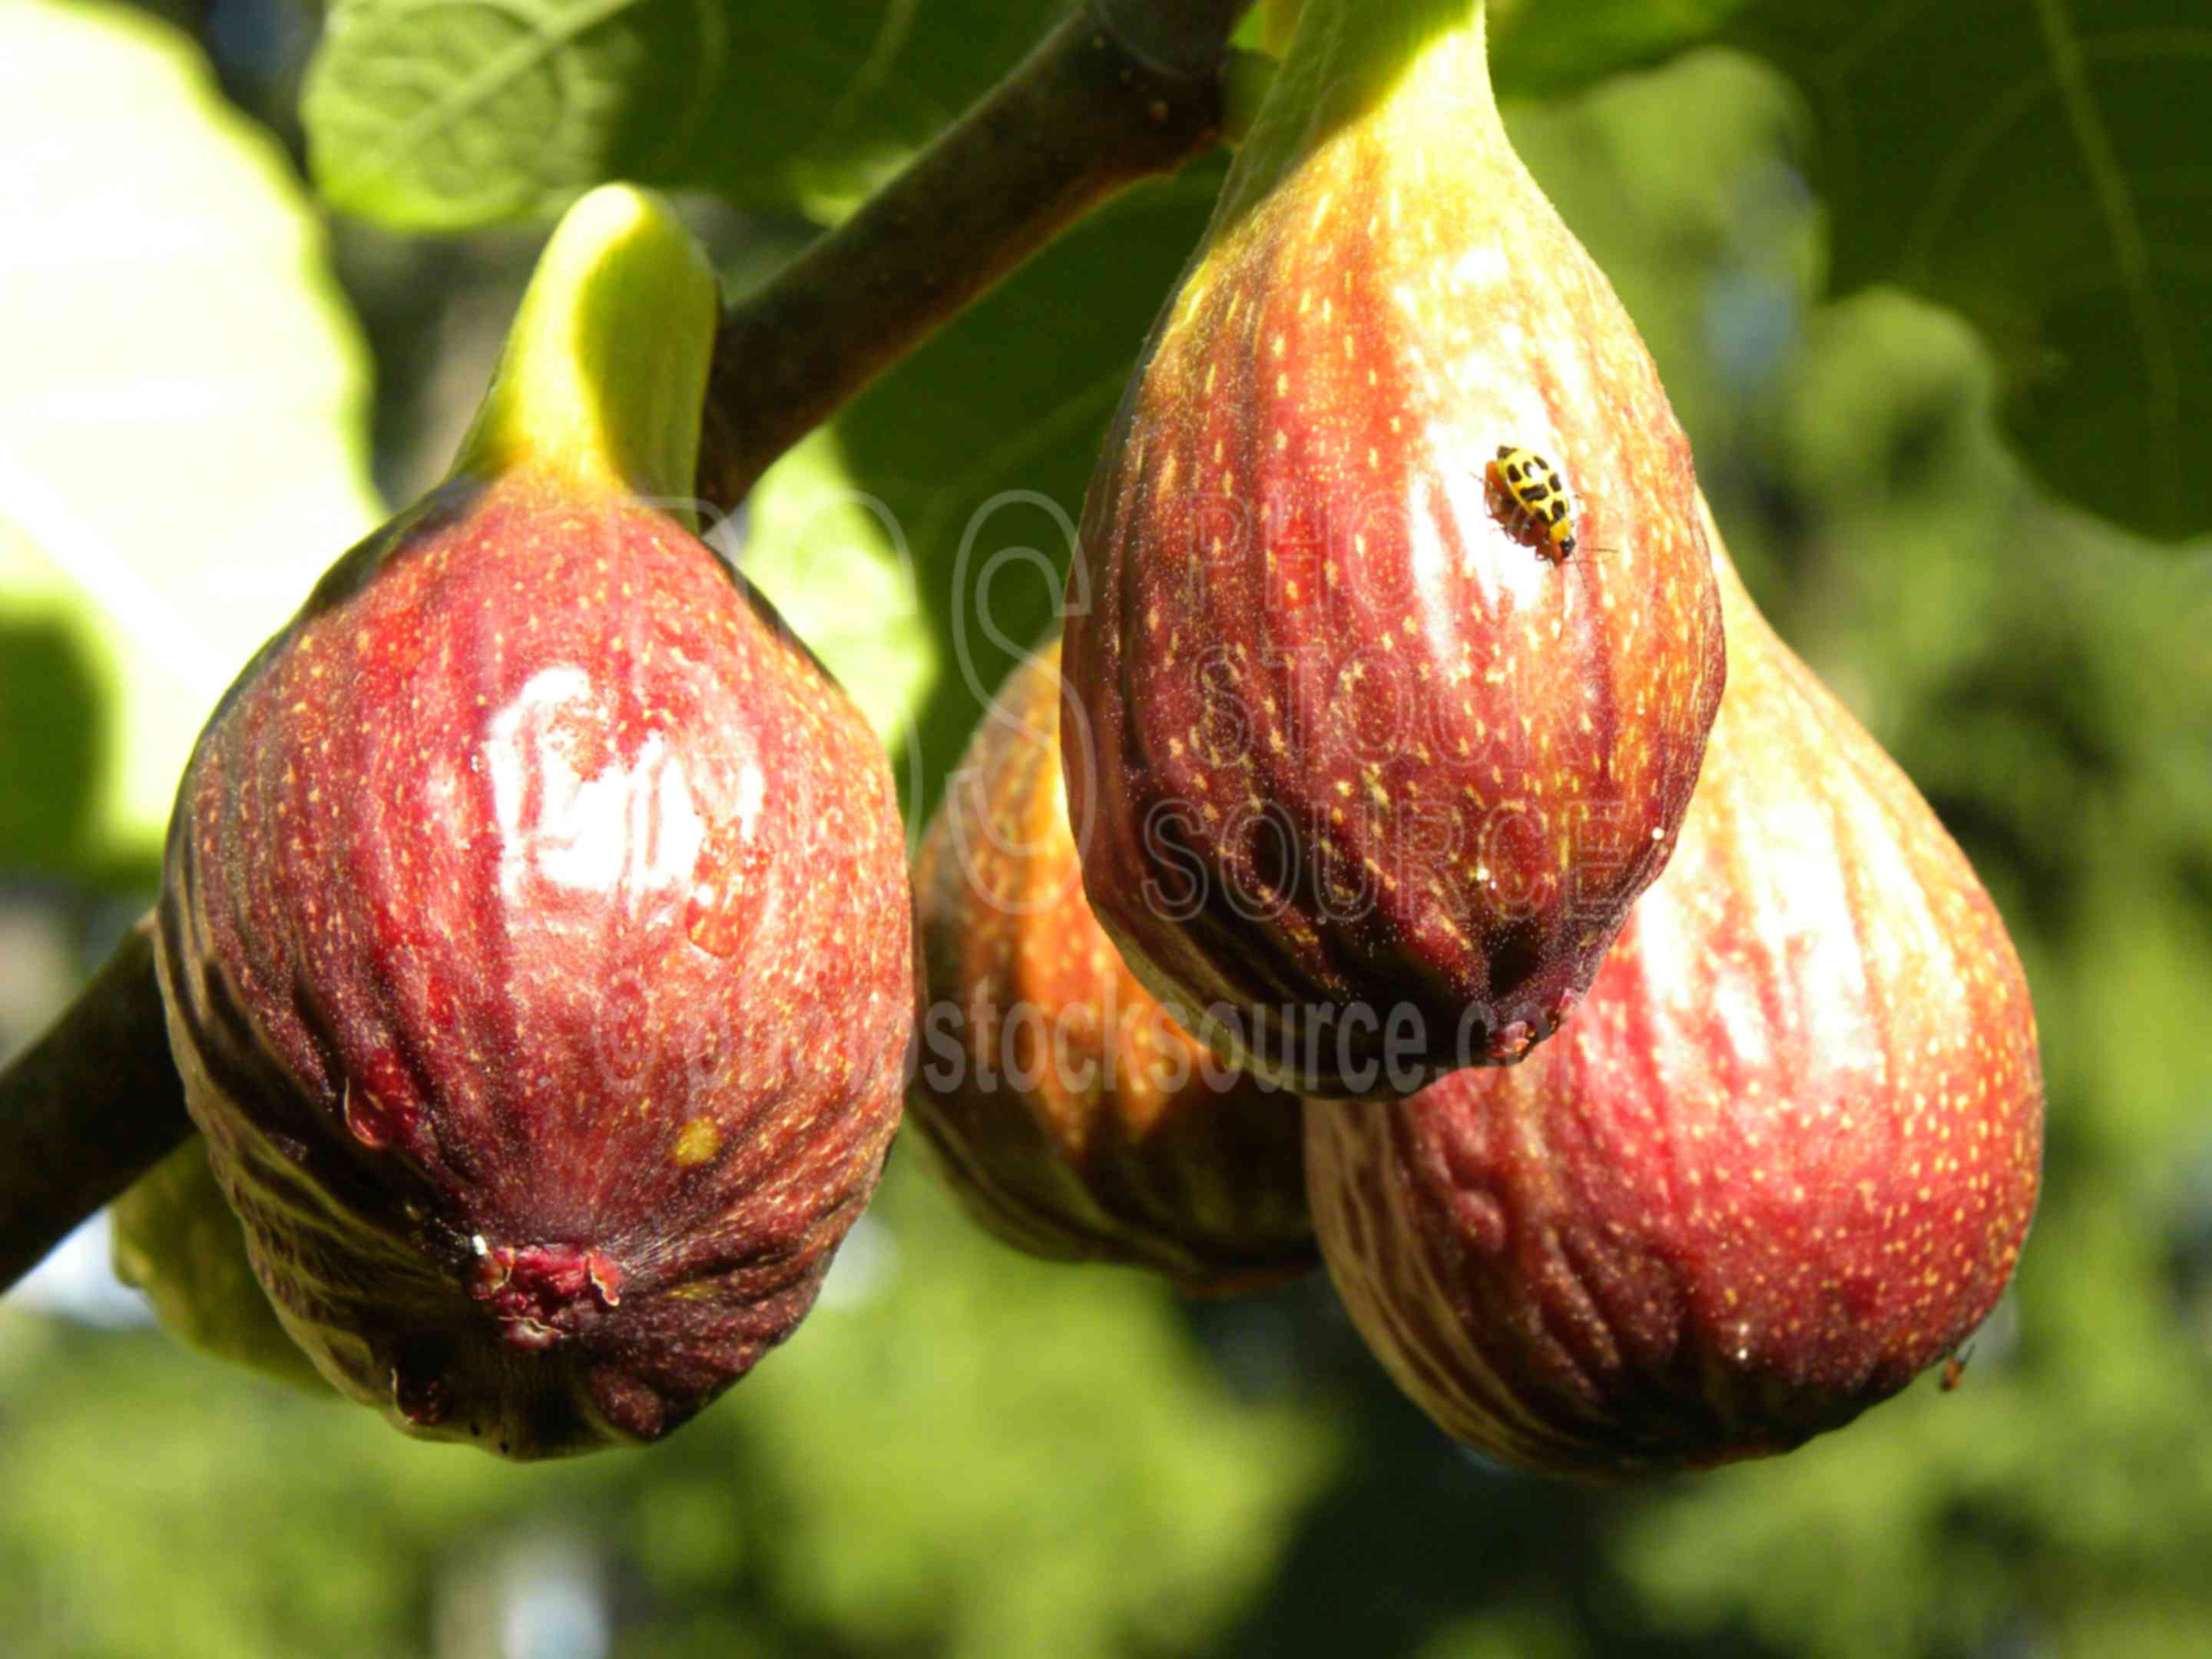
[1123, 90]
[88, 1108]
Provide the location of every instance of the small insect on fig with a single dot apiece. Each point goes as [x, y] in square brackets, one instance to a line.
[1536, 502]
[1954, 1370]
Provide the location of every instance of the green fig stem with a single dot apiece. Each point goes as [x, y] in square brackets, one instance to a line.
[1123, 90]
[1279, 22]
[87, 1109]
[605, 371]
[1247, 79]
[1428, 59]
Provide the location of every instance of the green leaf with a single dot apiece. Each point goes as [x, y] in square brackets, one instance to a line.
[1538, 49]
[437, 114]
[979, 446]
[831, 557]
[2043, 169]
[177, 1240]
[53, 742]
[182, 432]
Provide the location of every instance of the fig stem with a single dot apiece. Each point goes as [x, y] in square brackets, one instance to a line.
[87, 1109]
[1279, 22]
[1344, 59]
[1122, 91]
[605, 366]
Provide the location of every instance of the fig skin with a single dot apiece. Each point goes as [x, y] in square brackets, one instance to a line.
[1366, 778]
[535, 931]
[1782, 1160]
[1072, 1117]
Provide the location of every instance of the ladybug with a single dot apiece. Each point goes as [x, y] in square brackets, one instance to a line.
[1537, 502]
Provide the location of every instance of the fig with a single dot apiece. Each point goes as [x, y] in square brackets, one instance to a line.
[176, 1239]
[535, 933]
[1071, 1115]
[1782, 1158]
[1371, 747]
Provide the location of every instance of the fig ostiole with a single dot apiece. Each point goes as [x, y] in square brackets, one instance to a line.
[1070, 1115]
[1377, 732]
[1782, 1160]
[535, 931]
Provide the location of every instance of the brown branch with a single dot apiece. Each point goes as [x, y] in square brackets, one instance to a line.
[88, 1108]
[1123, 90]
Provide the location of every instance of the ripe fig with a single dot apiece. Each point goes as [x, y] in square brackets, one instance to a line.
[1781, 1159]
[1074, 1118]
[176, 1239]
[535, 930]
[1367, 756]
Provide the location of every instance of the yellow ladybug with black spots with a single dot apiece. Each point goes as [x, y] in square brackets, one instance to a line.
[1537, 506]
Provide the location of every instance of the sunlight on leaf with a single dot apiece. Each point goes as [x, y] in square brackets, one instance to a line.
[833, 560]
[437, 114]
[182, 441]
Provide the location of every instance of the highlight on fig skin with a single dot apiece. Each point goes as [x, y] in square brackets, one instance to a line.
[1781, 1161]
[1377, 754]
[1070, 1115]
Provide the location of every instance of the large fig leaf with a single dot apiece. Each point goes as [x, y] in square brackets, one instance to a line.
[2040, 169]
[182, 431]
[437, 114]
[2045, 170]
[1537, 49]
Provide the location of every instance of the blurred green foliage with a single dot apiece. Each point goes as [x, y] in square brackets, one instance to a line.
[958, 1456]
[963, 1451]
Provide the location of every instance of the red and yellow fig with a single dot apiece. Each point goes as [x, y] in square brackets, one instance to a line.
[1075, 1119]
[1368, 755]
[535, 930]
[1782, 1158]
